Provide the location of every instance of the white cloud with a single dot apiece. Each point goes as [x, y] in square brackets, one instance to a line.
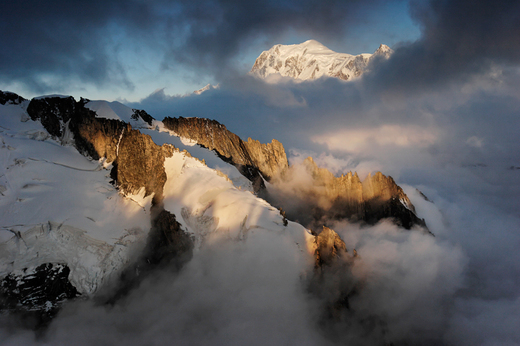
[357, 140]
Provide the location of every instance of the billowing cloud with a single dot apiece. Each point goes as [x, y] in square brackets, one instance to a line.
[356, 140]
[459, 39]
[440, 115]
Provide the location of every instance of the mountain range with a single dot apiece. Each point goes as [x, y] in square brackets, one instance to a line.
[95, 196]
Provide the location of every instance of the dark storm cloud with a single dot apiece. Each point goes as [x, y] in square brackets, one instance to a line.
[216, 31]
[459, 39]
[65, 40]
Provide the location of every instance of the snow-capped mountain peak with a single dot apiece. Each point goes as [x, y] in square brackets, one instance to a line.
[311, 60]
[384, 50]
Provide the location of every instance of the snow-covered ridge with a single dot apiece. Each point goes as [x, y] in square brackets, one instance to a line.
[117, 111]
[52, 96]
[311, 60]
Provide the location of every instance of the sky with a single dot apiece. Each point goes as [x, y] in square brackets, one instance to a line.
[442, 115]
[128, 49]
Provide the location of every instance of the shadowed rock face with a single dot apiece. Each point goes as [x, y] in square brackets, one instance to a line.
[36, 295]
[167, 246]
[251, 158]
[93, 137]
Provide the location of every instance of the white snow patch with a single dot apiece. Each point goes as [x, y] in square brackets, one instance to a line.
[209, 204]
[116, 111]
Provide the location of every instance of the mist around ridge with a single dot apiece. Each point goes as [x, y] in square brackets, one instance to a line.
[453, 137]
[418, 289]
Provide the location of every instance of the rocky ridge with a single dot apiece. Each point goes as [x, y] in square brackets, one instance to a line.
[347, 197]
[328, 199]
[9, 97]
[134, 156]
[253, 159]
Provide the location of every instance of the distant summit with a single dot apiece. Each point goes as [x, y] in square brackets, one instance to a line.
[206, 88]
[311, 59]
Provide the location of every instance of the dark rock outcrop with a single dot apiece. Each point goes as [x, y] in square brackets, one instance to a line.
[139, 113]
[36, 295]
[251, 158]
[168, 247]
[331, 280]
[9, 97]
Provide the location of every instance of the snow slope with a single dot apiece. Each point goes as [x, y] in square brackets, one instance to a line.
[208, 203]
[160, 135]
[311, 60]
[56, 206]
[116, 110]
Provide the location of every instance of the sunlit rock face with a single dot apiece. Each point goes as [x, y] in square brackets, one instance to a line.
[138, 161]
[329, 247]
[252, 158]
[332, 280]
[326, 199]
[310, 60]
[348, 198]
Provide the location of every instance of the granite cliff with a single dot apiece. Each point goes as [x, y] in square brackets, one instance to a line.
[253, 159]
[329, 198]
